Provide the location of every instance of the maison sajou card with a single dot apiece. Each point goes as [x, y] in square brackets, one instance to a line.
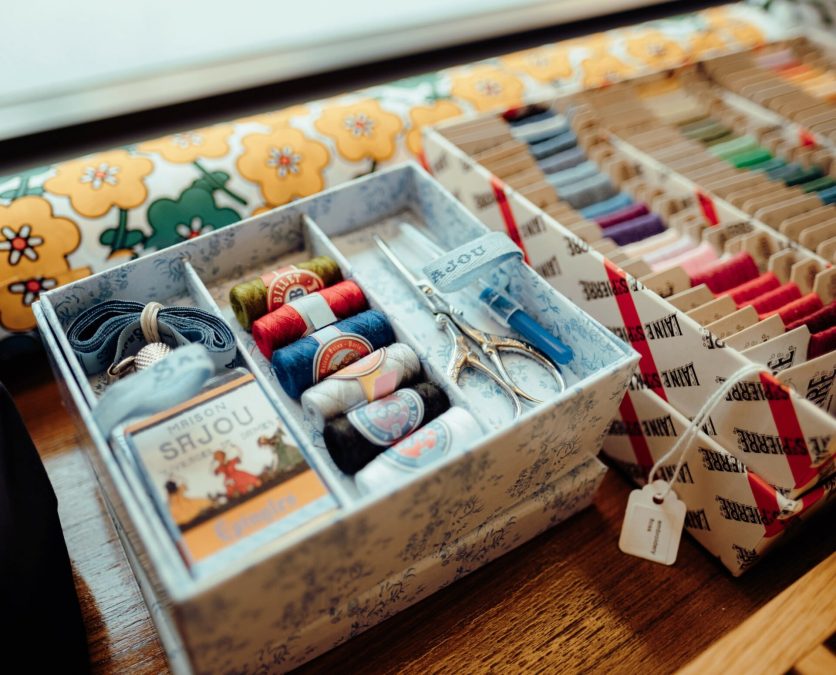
[223, 466]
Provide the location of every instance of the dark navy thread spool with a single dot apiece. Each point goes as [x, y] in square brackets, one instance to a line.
[307, 361]
[357, 437]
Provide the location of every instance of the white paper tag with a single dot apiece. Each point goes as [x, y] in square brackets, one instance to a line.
[652, 531]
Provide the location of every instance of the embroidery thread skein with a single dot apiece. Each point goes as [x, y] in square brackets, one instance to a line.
[448, 434]
[750, 290]
[304, 315]
[313, 358]
[822, 343]
[725, 274]
[253, 299]
[776, 298]
[356, 438]
[818, 321]
[372, 377]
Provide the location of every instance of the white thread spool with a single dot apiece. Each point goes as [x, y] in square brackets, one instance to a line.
[449, 433]
[372, 377]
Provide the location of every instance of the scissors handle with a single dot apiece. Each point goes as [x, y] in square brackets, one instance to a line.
[464, 357]
[493, 346]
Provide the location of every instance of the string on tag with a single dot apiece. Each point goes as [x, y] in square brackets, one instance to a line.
[682, 444]
[655, 516]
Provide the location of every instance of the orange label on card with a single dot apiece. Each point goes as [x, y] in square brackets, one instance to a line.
[253, 515]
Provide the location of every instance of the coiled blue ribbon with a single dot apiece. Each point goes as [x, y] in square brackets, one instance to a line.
[111, 331]
[171, 380]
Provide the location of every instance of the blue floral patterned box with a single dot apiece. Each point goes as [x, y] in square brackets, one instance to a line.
[274, 603]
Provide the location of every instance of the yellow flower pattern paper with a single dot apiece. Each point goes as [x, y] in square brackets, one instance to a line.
[66, 221]
[189, 146]
[425, 115]
[361, 130]
[545, 64]
[602, 68]
[285, 164]
[97, 183]
[34, 245]
[657, 50]
[487, 87]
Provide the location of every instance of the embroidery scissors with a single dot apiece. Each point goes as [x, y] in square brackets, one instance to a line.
[450, 318]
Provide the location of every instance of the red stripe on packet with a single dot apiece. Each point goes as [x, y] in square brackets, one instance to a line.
[640, 448]
[787, 426]
[507, 215]
[422, 158]
[806, 138]
[766, 500]
[707, 207]
[630, 317]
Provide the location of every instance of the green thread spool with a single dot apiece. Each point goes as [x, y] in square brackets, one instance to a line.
[253, 299]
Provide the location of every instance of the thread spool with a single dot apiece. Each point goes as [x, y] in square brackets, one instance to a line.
[450, 433]
[357, 437]
[672, 251]
[619, 201]
[776, 298]
[692, 261]
[817, 321]
[372, 377]
[313, 358]
[303, 316]
[623, 214]
[750, 290]
[797, 309]
[822, 343]
[567, 177]
[636, 229]
[558, 161]
[588, 191]
[554, 145]
[253, 299]
[726, 274]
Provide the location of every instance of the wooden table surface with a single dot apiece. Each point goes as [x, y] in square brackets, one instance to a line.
[567, 601]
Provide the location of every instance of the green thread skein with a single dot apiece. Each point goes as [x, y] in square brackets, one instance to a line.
[249, 299]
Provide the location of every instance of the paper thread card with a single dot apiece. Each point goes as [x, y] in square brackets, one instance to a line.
[223, 466]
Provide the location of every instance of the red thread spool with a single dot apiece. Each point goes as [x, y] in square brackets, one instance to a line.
[822, 343]
[776, 298]
[750, 290]
[817, 321]
[724, 275]
[286, 324]
[797, 309]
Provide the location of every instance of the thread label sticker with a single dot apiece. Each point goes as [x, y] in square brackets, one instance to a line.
[652, 531]
[386, 421]
[337, 352]
[376, 377]
[289, 283]
[425, 446]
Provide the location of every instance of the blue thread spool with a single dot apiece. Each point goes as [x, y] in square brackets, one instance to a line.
[307, 361]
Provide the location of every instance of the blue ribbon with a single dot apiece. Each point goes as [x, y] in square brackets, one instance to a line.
[171, 380]
[460, 267]
[110, 332]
